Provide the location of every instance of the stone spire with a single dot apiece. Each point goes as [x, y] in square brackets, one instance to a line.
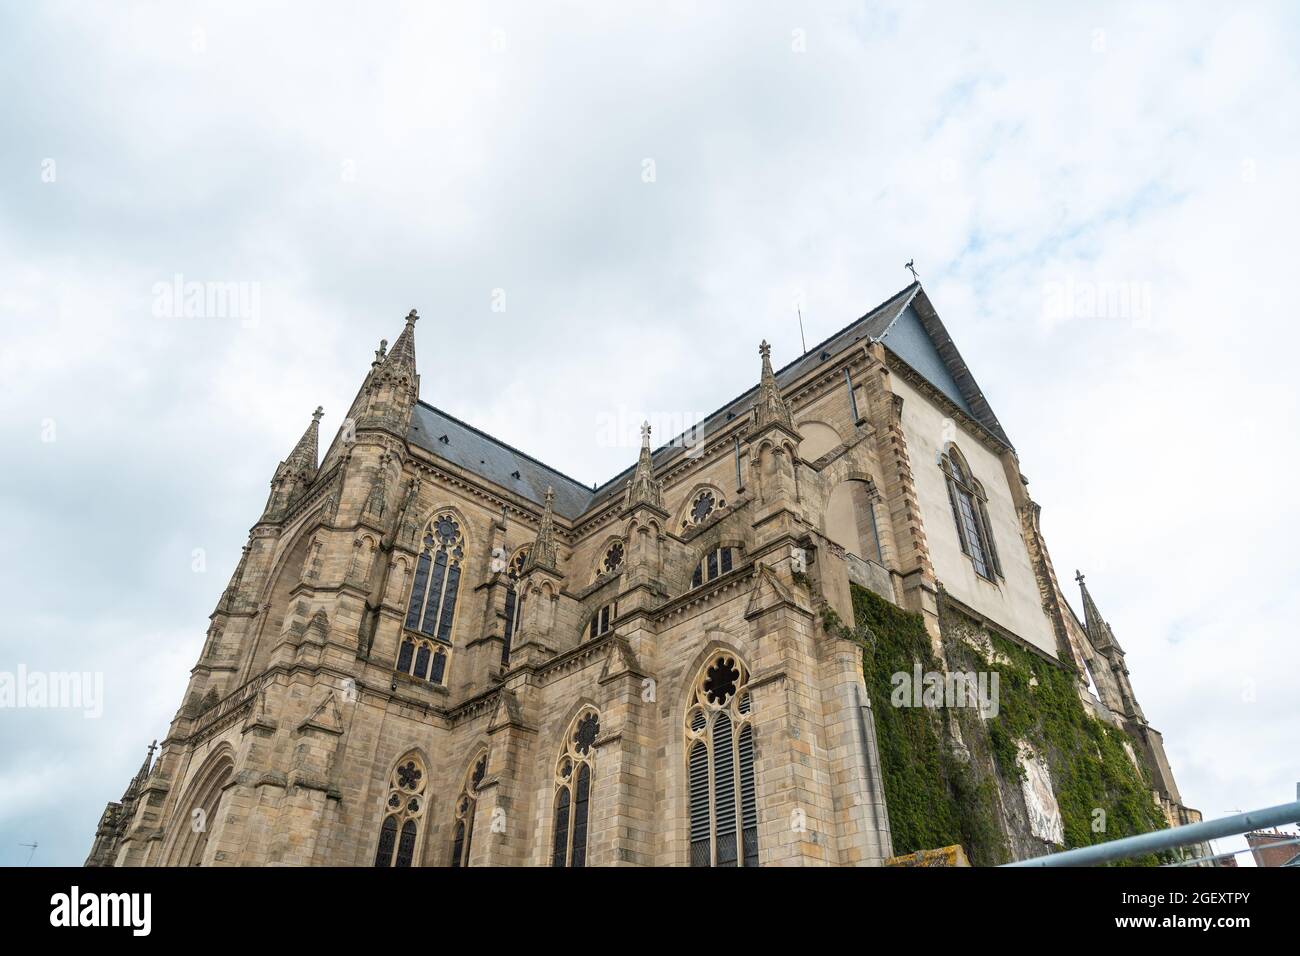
[133, 788]
[393, 386]
[297, 472]
[402, 355]
[770, 407]
[1099, 632]
[643, 488]
[545, 552]
[301, 462]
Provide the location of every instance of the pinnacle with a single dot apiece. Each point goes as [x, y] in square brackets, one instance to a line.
[403, 351]
[303, 457]
[770, 406]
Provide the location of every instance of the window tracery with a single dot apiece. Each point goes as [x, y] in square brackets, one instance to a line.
[721, 784]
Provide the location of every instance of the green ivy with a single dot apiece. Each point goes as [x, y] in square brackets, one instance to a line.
[923, 812]
[936, 798]
[1091, 770]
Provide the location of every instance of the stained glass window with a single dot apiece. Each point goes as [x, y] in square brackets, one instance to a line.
[573, 776]
[399, 833]
[432, 607]
[431, 611]
[463, 831]
[601, 620]
[717, 562]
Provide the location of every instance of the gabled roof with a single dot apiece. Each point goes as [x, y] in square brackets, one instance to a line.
[905, 322]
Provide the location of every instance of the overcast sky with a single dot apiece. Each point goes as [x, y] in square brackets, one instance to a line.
[647, 193]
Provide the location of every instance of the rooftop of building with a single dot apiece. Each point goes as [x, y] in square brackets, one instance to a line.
[906, 322]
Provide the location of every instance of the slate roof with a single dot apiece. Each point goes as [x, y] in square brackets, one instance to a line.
[480, 453]
[490, 458]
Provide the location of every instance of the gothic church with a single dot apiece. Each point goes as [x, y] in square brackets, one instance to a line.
[437, 651]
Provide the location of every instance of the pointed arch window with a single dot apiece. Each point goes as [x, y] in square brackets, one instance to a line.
[721, 784]
[399, 834]
[463, 826]
[573, 776]
[717, 562]
[423, 659]
[431, 611]
[602, 620]
[432, 608]
[514, 601]
[974, 532]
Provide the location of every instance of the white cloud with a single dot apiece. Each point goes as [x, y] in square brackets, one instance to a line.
[358, 165]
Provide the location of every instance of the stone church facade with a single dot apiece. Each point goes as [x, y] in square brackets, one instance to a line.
[436, 650]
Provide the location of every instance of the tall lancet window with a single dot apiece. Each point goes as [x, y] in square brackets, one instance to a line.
[514, 601]
[974, 532]
[399, 834]
[721, 789]
[432, 609]
[573, 774]
[463, 826]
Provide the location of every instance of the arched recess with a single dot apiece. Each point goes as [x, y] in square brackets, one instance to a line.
[463, 811]
[197, 811]
[286, 576]
[851, 519]
[816, 439]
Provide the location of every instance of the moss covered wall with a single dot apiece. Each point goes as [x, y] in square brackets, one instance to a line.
[952, 777]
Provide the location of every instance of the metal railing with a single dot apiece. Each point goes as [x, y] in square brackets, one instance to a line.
[1158, 840]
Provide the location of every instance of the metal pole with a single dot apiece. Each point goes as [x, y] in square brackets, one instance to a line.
[1159, 840]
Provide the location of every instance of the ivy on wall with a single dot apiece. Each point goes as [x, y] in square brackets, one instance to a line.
[938, 794]
[1102, 794]
[923, 812]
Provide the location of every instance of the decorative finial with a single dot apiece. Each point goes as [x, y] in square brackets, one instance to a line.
[645, 434]
[1078, 575]
[381, 351]
[545, 550]
[152, 747]
[318, 414]
[764, 349]
[911, 267]
[411, 318]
